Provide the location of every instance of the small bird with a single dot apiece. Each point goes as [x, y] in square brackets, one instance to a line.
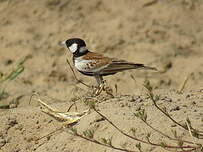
[95, 64]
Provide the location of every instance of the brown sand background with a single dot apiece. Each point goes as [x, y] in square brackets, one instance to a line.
[167, 34]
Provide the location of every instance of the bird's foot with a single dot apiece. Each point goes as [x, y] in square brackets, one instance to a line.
[108, 90]
[102, 87]
[98, 89]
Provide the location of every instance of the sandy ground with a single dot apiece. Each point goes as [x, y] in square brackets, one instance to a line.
[167, 34]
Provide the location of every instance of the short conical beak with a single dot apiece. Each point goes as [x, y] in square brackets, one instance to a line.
[62, 43]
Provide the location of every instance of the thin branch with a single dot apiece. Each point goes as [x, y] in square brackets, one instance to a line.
[180, 90]
[50, 134]
[100, 143]
[166, 114]
[193, 149]
[165, 135]
[197, 131]
[189, 130]
[71, 106]
[88, 139]
[122, 132]
[140, 140]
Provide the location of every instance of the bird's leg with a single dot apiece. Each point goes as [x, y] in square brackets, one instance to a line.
[99, 79]
[107, 89]
[100, 86]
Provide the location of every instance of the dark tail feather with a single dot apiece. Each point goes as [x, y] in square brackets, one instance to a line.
[144, 67]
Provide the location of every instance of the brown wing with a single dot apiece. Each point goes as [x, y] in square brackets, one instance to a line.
[98, 59]
[109, 66]
[93, 56]
[117, 65]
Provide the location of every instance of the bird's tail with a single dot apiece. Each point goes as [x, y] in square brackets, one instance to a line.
[142, 66]
[121, 65]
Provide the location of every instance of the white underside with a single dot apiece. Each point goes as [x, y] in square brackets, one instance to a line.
[85, 66]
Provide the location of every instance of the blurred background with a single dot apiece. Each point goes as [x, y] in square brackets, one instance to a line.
[167, 34]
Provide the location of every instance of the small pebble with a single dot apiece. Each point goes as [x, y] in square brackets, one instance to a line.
[187, 96]
[173, 125]
[136, 99]
[175, 109]
[138, 108]
[166, 99]
[8, 62]
[19, 127]
[122, 105]
[194, 103]
[12, 121]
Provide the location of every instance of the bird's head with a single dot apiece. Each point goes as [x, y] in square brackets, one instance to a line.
[75, 45]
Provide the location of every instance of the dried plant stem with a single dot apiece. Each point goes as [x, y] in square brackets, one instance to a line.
[165, 135]
[188, 126]
[88, 139]
[72, 106]
[50, 134]
[180, 90]
[199, 131]
[100, 143]
[140, 140]
[122, 132]
[166, 114]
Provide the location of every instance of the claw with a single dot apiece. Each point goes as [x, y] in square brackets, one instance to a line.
[109, 91]
[98, 89]
[102, 87]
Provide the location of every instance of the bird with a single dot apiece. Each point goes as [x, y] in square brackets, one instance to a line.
[95, 64]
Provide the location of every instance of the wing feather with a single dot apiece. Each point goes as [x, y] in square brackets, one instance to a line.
[107, 66]
[121, 65]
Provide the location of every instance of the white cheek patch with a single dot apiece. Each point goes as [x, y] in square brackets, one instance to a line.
[73, 48]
